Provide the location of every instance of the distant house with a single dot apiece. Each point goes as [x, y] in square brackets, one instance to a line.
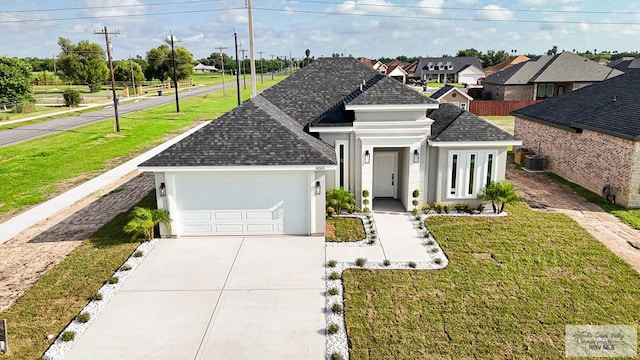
[590, 136]
[544, 77]
[374, 64]
[624, 64]
[395, 70]
[452, 95]
[411, 69]
[505, 64]
[204, 69]
[464, 69]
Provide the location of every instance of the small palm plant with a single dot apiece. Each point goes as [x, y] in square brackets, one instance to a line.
[340, 199]
[499, 194]
[143, 220]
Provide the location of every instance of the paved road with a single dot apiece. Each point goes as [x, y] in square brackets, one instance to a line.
[28, 132]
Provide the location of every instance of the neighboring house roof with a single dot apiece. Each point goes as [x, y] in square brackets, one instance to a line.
[505, 64]
[411, 68]
[609, 107]
[370, 63]
[397, 71]
[450, 65]
[452, 124]
[205, 67]
[445, 90]
[270, 128]
[625, 64]
[563, 67]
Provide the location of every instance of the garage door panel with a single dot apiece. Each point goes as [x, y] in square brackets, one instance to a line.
[237, 204]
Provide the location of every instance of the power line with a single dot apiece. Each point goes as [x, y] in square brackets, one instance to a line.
[109, 6]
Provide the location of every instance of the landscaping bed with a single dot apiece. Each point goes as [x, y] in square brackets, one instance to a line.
[344, 229]
[511, 286]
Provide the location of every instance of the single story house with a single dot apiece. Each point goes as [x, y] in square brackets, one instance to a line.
[397, 71]
[624, 64]
[590, 136]
[200, 68]
[265, 167]
[463, 70]
[452, 95]
[505, 64]
[544, 77]
[374, 64]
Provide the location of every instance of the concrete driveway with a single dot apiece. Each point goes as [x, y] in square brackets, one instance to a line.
[217, 298]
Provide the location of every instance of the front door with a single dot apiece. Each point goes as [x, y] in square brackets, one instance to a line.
[385, 175]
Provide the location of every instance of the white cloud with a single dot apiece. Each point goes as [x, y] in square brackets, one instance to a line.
[584, 27]
[363, 7]
[544, 2]
[114, 8]
[236, 16]
[429, 7]
[496, 13]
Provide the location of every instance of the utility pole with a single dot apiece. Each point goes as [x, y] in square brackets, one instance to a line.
[113, 80]
[261, 67]
[244, 74]
[55, 78]
[272, 71]
[133, 78]
[238, 90]
[171, 39]
[252, 55]
[224, 89]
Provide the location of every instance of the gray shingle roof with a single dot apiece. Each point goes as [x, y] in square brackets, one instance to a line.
[610, 107]
[389, 91]
[458, 64]
[563, 67]
[625, 64]
[256, 133]
[454, 124]
[443, 90]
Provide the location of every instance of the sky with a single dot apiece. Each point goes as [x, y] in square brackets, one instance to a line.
[369, 28]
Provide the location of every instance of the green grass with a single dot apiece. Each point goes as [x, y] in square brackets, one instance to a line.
[512, 285]
[505, 123]
[439, 85]
[37, 170]
[59, 295]
[629, 216]
[344, 229]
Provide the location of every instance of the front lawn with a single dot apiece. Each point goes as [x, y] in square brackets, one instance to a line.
[344, 229]
[57, 297]
[512, 285]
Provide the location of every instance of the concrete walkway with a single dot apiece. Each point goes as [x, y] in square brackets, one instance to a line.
[36, 214]
[398, 239]
[217, 298]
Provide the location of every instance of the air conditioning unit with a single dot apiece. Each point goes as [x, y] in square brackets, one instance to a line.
[534, 162]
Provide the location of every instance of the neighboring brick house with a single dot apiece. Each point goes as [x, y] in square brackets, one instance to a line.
[544, 77]
[590, 136]
[463, 69]
[505, 64]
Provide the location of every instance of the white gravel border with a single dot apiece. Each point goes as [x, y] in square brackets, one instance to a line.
[59, 348]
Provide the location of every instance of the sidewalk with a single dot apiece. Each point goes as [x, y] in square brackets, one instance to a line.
[33, 216]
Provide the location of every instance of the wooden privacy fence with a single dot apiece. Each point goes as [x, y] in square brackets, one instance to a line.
[497, 107]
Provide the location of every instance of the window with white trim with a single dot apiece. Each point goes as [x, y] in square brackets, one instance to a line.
[469, 172]
[463, 105]
[342, 171]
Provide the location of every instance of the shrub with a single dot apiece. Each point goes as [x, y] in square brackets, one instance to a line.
[138, 254]
[366, 201]
[83, 317]
[420, 225]
[125, 267]
[412, 264]
[386, 262]
[434, 250]
[365, 193]
[374, 236]
[426, 234]
[68, 335]
[371, 241]
[459, 207]
[332, 263]
[330, 211]
[416, 193]
[480, 207]
[27, 104]
[426, 208]
[334, 276]
[372, 231]
[114, 280]
[333, 329]
[142, 222]
[430, 242]
[414, 212]
[468, 208]
[499, 194]
[361, 261]
[336, 356]
[366, 210]
[336, 308]
[97, 296]
[340, 199]
[438, 261]
[446, 208]
[417, 218]
[71, 97]
[438, 207]
[333, 291]
[415, 202]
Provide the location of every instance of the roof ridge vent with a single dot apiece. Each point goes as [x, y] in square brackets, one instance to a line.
[614, 98]
[361, 87]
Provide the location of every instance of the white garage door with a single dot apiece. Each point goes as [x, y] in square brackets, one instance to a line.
[242, 204]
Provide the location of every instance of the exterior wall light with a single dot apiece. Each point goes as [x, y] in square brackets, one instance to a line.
[416, 156]
[318, 188]
[163, 190]
[367, 157]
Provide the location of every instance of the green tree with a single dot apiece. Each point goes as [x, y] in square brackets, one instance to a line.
[161, 62]
[83, 63]
[15, 80]
[499, 194]
[142, 221]
[468, 52]
[122, 71]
